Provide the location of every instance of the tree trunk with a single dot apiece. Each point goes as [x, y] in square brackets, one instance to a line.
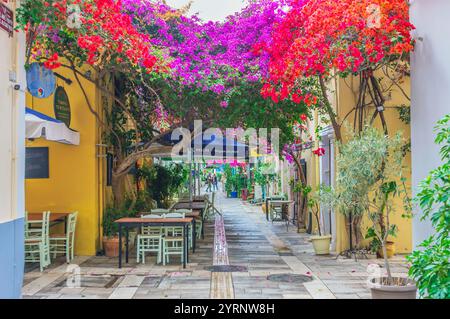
[386, 262]
[118, 189]
[355, 227]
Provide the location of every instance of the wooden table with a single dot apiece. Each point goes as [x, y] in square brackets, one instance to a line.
[271, 199]
[190, 205]
[279, 203]
[196, 213]
[34, 216]
[156, 222]
[55, 218]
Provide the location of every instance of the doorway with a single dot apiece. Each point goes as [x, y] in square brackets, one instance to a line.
[327, 177]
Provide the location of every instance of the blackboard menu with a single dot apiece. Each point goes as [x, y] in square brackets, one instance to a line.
[36, 163]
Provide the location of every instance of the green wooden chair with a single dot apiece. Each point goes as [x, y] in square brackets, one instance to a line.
[149, 241]
[159, 211]
[64, 243]
[37, 246]
[173, 240]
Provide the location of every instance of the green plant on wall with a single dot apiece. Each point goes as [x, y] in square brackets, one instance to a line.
[430, 266]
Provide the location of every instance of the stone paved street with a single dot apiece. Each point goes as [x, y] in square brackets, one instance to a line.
[273, 263]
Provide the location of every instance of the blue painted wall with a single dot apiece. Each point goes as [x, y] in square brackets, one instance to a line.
[11, 258]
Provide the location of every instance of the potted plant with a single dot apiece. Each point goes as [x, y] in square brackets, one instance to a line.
[110, 232]
[370, 176]
[321, 242]
[430, 266]
[375, 244]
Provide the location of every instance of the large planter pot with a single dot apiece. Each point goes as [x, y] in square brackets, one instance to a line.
[233, 194]
[111, 246]
[264, 208]
[244, 194]
[321, 244]
[390, 248]
[406, 289]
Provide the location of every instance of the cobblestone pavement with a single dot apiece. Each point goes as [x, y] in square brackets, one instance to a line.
[271, 263]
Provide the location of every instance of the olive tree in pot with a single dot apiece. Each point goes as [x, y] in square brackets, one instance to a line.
[321, 241]
[369, 178]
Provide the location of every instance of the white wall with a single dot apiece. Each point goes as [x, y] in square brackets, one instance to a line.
[12, 153]
[430, 91]
[12, 141]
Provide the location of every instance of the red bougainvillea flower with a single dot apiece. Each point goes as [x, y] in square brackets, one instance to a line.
[52, 62]
[347, 36]
[303, 117]
[319, 152]
[98, 33]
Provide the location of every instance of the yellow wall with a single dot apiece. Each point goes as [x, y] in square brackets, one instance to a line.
[346, 99]
[75, 171]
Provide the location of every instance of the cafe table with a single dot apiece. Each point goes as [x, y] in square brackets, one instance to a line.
[54, 218]
[190, 205]
[279, 204]
[128, 223]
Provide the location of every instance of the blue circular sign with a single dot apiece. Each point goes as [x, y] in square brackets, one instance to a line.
[41, 82]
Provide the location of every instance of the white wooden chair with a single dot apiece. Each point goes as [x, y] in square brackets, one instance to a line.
[173, 240]
[37, 246]
[64, 243]
[149, 240]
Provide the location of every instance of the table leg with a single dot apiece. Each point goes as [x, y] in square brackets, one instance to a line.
[194, 235]
[187, 239]
[184, 247]
[120, 246]
[126, 243]
[203, 225]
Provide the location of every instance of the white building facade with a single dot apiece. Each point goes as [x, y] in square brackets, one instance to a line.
[430, 92]
[12, 154]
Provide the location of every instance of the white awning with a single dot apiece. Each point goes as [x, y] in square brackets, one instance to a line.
[39, 125]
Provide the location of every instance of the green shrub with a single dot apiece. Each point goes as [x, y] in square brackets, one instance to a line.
[430, 265]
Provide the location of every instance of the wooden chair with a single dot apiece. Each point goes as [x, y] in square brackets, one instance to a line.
[173, 240]
[149, 240]
[37, 246]
[64, 243]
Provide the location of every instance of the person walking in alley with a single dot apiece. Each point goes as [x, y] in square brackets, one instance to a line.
[208, 183]
[215, 182]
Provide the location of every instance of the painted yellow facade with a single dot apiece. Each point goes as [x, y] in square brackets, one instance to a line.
[76, 180]
[343, 97]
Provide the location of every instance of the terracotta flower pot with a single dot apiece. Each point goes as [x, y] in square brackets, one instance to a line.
[111, 246]
[390, 248]
[321, 244]
[403, 289]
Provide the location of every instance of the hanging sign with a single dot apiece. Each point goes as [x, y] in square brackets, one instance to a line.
[62, 106]
[6, 19]
[41, 82]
